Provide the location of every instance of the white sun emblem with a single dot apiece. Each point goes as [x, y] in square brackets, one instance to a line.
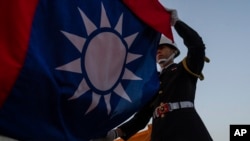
[103, 60]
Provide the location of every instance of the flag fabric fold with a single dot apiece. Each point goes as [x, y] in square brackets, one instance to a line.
[14, 38]
[72, 70]
[153, 13]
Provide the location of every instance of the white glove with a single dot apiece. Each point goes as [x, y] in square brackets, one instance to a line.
[111, 135]
[174, 15]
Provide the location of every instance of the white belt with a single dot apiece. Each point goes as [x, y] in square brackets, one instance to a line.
[164, 108]
[180, 105]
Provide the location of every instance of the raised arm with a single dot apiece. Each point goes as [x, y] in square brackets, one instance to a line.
[196, 48]
[194, 61]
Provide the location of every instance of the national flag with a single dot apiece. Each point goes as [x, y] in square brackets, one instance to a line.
[72, 70]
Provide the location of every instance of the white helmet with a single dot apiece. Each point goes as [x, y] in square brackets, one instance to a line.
[166, 41]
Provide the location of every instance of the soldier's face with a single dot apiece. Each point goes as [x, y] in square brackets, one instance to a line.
[164, 52]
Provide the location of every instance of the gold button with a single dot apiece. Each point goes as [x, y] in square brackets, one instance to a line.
[160, 92]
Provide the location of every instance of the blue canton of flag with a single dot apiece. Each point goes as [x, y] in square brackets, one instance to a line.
[90, 65]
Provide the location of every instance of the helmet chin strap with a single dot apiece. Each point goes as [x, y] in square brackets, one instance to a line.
[165, 61]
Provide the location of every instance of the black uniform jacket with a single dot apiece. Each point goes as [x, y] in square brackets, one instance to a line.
[176, 85]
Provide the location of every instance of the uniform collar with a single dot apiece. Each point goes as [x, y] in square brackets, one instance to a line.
[166, 67]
